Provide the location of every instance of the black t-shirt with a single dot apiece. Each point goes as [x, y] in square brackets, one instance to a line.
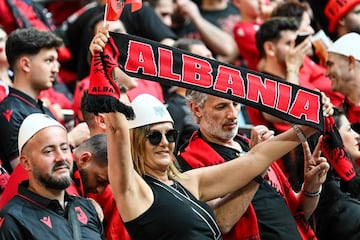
[173, 218]
[275, 220]
[337, 214]
[31, 216]
[14, 109]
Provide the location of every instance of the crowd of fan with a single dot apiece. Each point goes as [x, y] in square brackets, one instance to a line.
[264, 185]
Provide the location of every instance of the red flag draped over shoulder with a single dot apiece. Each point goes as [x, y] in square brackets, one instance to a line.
[115, 7]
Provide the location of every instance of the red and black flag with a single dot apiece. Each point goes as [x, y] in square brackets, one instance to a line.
[115, 8]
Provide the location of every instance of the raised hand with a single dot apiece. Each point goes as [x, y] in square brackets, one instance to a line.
[315, 168]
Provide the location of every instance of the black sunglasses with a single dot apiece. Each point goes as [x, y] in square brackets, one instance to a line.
[156, 136]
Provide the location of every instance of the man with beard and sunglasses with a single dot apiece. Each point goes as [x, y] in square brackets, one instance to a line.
[42, 207]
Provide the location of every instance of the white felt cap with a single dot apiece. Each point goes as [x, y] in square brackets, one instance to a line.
[32, 124]
[347, 45]
[148, 110]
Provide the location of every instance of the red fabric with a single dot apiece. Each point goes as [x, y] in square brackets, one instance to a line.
[114, 227]
[61, 10]
[101, 82]
[335, 10]
[197, 155]
[352, 112]
[333, 149]
[67, 76]
[115, 8]
[17, 176]
[4, 90]
[244, 35]
[8, 21]
[56, 97]
[146, 86]
[78, 94]
[4, 179]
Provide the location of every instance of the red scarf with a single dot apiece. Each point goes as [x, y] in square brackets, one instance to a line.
[197, 154]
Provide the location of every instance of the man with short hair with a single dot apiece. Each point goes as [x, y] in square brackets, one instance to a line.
[91, 163]
[42, 207]
[343, 16]
[281, 59]
[33, 57]
[276, 211]
[343, 68]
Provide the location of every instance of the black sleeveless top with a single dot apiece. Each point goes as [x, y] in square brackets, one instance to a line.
[173, 217]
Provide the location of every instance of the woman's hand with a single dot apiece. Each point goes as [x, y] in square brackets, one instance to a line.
[100, 39]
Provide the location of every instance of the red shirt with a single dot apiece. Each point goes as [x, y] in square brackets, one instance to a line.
[4, 90]
[244, 34]
[352, 112]
[114, 227]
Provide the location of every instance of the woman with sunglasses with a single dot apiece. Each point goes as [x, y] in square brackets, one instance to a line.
[338, 213]
[154, 199]
[157, 202]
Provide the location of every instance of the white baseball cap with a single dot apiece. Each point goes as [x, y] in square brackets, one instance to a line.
[148, 110]
[347, 45]
[33, 124]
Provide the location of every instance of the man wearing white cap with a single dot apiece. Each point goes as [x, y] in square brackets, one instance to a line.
[42, 207]
[32, 55]
[343, 68]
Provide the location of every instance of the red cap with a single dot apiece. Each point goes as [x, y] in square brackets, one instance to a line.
[336, 9]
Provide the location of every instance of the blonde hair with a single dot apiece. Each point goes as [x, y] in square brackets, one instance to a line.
[138, 140]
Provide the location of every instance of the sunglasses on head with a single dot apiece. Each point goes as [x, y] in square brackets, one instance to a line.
[155, 137]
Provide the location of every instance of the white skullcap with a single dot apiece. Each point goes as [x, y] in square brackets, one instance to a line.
[347, 45]
[32, 124]
[148, 110]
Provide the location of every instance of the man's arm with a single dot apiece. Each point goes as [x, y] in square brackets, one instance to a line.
[217, 40]
[229, 209]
